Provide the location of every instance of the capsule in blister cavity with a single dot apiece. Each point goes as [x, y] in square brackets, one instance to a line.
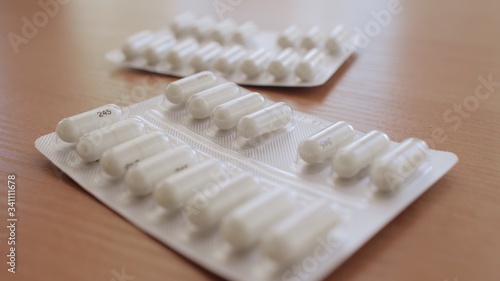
[224, 31]
[227, 61]
[267, 120]
[136, 44]
[321, 146]
[297, 235]
[313, 38]
[254, 64]
[179, 54]
[203, 57]
[141, 179]
[180, 91]
[172, 191]
[243, 35]
[116, 160]
[200, 105]
[309, 65]
[227, 115]
[355, 156]
[158, 49]
[393, 168]
[215, 203]
[290, 37]
[332, 43]
[285, 61]
[243, 227]
[71, 129]
[182, 24]
[203, 28]
[92, 145]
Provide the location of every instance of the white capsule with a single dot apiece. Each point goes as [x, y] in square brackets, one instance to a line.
[182, 24]
[323, 145]
[203, 28]
[71, 129]
[313, 38]
[92, 145]
[267, 120]
[245, 32]
[116, 160]
[285, 61]
[332, 40]
[228, 60]
[227, 115]
[200, 105]
[157, 51]
[298, 234]
[203, 57]
[244, 227]
[222, 199]
[136, 44]
[142, 178]
[180, 53]
[180, 91]
[355, 156]
[309, 65]
[290, 37]
[171, 192]
[254, 64]
[224, 31]
[393, 168]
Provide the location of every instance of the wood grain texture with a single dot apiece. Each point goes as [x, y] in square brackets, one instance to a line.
[427, 59]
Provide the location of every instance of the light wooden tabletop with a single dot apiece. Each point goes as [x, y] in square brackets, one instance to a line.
[421, 73]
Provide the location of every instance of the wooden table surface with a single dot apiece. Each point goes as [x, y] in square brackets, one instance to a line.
[418, 75]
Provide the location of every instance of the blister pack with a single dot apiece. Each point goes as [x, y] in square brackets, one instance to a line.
[247, 188]
[242, 54]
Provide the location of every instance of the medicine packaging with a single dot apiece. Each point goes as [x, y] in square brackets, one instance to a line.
[248, 188]
[241, 53]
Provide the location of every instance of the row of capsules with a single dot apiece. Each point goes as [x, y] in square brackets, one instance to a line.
[348, 156]
[240, 206]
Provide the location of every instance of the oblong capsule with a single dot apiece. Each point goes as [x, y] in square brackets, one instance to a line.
[182, 24]
[224, 31]
[227, 115]
[393, 168]
[285, 61]
[309, 65]
[179, 54]
[71, 129]
[136, 44]
[116, 160]
[266, 120]
[323, 145]
[174, 190]
[228, 60]
[243, 227]
[254, 64]
[157, 51]
[332, 40]
[290, 37]
[313, 38]
[203, 28]
[203, 57]
[180, 91]
[297, 235]
[244, 33]
[355, 156]
[141, 179]
[220, 202]
[92, 145]
[201, 104]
